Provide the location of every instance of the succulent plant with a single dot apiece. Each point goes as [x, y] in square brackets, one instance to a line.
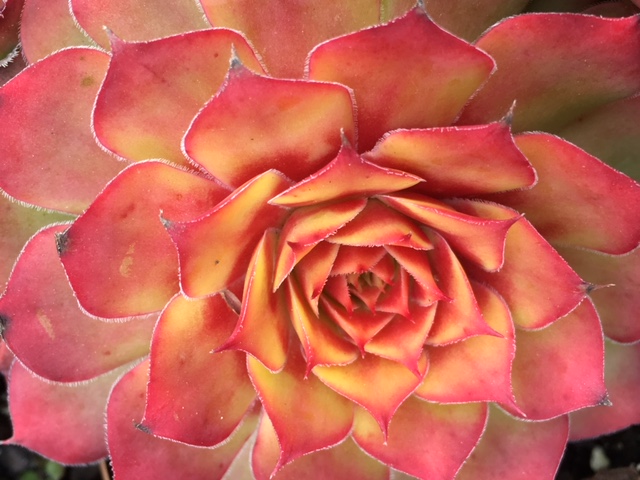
[341, 240]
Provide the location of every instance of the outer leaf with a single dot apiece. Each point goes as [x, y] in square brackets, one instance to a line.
[179, 75]
[392, 382]
[457, 161]
[535, 280]
[268, 341]
[9, 27]
[17, 224]
[286, 31]
[61, 31]
[550, 360]
[50, 157]
[618, 304]
[610, 133]
[118, 256]
[439, 74]
[196, 396]
[479, 368]
[604, 203]
[623, 385]
[569, 80]
[517, 450]
[133, 20]
[69, 426]
[45, 328]
[306, 415]
[131, 448]
[427, 440]
[212, 257]
[341, 462]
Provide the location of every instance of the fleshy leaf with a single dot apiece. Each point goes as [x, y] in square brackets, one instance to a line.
[550, 360]
[610, 133]
[527, 450]
[306, 227]
[469, 18]
[306, 415]
[457, 161]
[356, 259]
[289, 125]
[181, 358]
[132, 121]
[61, 31]
[425, 439]
[593, 73]
[623, 386]
[378, 225]
[458, 316]
[535, 280]
[481, 240]
[321, 344]
[44, 326]
[341, 462]
[479, 368]
[57, 164]
[265, 340]
[118, 256]
[417, 264]
[439, 74]
[17, 224]
[604, 203]
[392, 383]
[314, 269]
[210, 257]
[134, 20]
[336, 181]
[131, 448]
[618, 303]
[298, 27]
[69, 425]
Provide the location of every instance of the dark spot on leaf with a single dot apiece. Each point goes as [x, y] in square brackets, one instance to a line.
[88, 81]
[216, 262]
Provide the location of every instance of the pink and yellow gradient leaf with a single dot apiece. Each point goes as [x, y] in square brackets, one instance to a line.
[604, 202]
[457, 161]
[416, 263]
[439, 74]
[335, 181]
[481, 240]
[306, 227]
[618, 303]
[196, 396]
[357, 259]
[379, 225]
[306, 415]
[50, 158]
[134, 122]
[517, 450]
[536, 282]
[61, 31]
[479, 368]
[69, 426]
[341, 462]
[289, 125]
[593, 72]
[268, 341]
[392, 382]
[623, 386]
[44, 326]
[313, 271]
[322, 345]
[136, 21]
[458, 316]
[550, 360]
[17, 224]
[118, 256]
[211, 258]
[131, 448]
[402, 340]
[426, 440]
[285, 32]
